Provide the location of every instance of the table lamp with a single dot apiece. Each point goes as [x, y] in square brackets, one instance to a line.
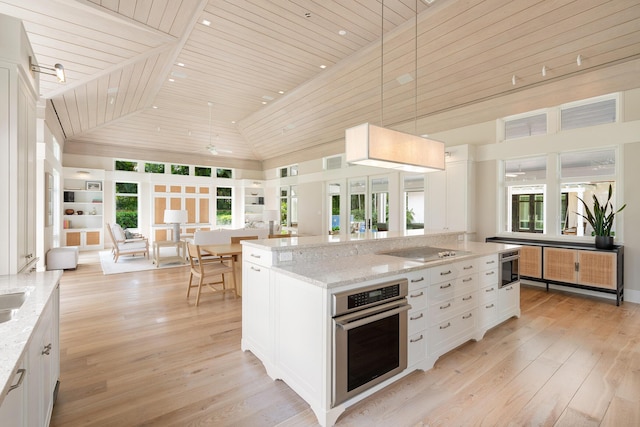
[271, 215]
[175, 217]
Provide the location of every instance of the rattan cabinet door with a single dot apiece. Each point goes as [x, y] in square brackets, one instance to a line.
[560, 265]
[531, 261]
[597, 269]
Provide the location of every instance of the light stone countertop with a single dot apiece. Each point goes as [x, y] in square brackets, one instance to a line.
[360, 268]
[16, 333]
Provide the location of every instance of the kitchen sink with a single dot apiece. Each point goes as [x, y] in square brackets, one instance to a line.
[12, 301]
[425, 253]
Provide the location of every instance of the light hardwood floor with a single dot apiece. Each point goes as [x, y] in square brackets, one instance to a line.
[135, 352]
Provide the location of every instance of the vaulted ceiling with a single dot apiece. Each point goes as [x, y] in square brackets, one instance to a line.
[261, 79]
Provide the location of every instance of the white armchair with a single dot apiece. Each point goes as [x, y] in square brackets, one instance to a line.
[124, 246]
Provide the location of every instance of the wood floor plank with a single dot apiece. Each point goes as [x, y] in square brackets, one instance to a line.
[136, 352]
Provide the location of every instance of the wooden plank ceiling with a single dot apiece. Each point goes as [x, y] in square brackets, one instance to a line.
[150, 74]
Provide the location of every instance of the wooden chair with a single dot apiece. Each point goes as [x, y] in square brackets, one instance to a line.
[210, 272]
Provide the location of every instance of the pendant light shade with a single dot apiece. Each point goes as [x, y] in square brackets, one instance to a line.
[371, 145]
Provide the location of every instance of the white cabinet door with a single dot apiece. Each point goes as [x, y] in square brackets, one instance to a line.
[448, 198]
[509, 302]
[257, 328]
[12, 411]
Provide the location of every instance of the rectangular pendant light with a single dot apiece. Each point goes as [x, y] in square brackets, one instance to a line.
[371, 145]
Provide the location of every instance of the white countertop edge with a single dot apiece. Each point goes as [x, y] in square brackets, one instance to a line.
[361, 268]
[16, 333]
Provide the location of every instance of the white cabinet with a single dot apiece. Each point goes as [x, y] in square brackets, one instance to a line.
[17, 150]
[13, 410]
[82, 208]
[488, 294]
[257, 304]
[450, 196]
[417, 318]
[509, 302]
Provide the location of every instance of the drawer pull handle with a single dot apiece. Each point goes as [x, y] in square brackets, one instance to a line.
[467, 280]
[417, 280]
[510, 288]
[419, 316]
[445, 326]
[442, 307]
[444, 273]
[467, 298]
[416, 295]
[468, 316]
[47, 349]
[254, 256]
[488, 306]
[416, 339]
[490, 262]
[448, 285]
[489, 290]
[254, 268]
[490, 273]
[468, 267]
[21, 371]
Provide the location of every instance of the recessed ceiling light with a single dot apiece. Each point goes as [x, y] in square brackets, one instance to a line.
[233, 122]
[172, 80]
[404, 79]
[206, 22]
[180, 64]
[264, 102]
[342, 32]
[323, 66]
[267, 98]
[155, 107]
[112, 90]
[281, 92]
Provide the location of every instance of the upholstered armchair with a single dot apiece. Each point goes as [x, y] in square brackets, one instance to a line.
[124, 246]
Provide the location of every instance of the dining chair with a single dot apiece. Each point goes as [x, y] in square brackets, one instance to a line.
[210, 272]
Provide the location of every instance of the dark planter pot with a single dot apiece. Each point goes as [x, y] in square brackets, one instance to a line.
[604, 242]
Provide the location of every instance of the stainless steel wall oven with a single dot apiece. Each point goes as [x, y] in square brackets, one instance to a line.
[509, 268]
[369, 337]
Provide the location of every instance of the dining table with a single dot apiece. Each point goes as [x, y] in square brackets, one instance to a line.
[228, 249]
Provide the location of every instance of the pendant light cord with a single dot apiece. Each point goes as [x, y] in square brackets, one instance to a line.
[415, 106]
[382, 65]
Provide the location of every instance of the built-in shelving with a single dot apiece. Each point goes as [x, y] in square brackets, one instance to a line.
[82, 208]
[253, 201]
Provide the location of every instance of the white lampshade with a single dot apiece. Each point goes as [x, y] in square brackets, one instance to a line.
[371, 145]
[175, 216]
[271, 215]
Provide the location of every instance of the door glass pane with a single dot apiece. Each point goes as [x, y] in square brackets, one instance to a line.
[357, 204]
[414, 201]
[379, 202]
[334, 203]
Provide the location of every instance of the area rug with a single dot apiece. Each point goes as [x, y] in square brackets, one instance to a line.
[128, 263]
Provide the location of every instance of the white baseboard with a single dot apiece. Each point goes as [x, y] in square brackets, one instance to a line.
[630, 295]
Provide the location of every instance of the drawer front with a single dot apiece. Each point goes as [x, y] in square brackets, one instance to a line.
[417, 321]
[467, 302]
[417, 298]
[417, 348]
[441, 291]
[465, 284]
[488, 313]
[418, 279]
[440, 310]
[488, 293]
[257, 256]
[488, 263]
[443, 273]
[467, 267]
[488, 277]
[448, 333]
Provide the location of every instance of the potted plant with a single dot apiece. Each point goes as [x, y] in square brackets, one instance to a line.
[601, 220]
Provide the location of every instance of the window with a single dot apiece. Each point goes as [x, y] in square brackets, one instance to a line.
[595, 112]
[200, 171]
[154, 167]
[525, 126]
[334, 198]
[223, 205]
[123, 165]
[284, 172]
[127, 204]
[414, 202]
[525, 188]
[179, 170]
[583, 175]
[284, 206]
[289, 206]
[224, 173]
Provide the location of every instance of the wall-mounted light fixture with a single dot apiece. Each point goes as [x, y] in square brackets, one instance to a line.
[57, 70]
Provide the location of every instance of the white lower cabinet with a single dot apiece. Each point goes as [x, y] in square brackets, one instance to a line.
[488, 277]
[417, 317]
[509, 302]
[257, 321]
[30, 403]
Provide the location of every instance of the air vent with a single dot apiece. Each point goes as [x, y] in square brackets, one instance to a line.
[333, 163]
[596, 113]
[526, 126]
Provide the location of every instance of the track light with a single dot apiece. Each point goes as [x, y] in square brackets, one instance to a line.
[513, 80]
[544, 71]
[57, 70]
[579, 60]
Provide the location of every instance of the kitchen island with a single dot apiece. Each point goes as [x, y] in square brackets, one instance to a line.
[291, 285]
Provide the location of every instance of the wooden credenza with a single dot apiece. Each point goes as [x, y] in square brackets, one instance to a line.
[571, 264]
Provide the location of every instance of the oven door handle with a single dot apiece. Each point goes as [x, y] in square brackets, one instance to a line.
[511, 258]
[347, 325]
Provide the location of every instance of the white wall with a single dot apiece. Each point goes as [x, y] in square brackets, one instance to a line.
[631, 217]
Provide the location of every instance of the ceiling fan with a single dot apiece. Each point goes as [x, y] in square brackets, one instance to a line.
[212, 148]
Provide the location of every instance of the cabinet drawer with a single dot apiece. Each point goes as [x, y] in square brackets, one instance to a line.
[441, 291]
[488, 314]
[441, 310]
[488, 293]
[418, 279]
[417, 348]
[443, 273]
[451, 332]
[417, 299]
[467, 267]
[488, 263]
[466, 283]
[488, 277]
[257, 256]
[417, 321]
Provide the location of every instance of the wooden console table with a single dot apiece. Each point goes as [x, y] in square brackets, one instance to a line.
[577, 265]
